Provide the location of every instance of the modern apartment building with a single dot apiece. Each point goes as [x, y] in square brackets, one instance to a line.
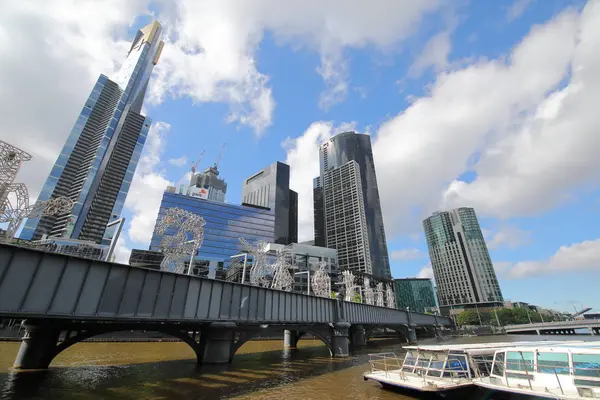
[460, 259]
[415, 293]
[97, 163]
[270, 188]
[346, 205]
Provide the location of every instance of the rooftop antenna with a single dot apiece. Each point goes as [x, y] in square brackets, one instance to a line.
[220, 156]
[195, 164]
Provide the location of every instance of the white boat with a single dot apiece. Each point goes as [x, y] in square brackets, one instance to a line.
[556, 370]
[434, 368]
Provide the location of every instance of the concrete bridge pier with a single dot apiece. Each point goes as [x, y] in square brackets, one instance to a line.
[37, 346]
[216, 344]
[358, 336]
[290, 339]
[411, 334]
[340, 343]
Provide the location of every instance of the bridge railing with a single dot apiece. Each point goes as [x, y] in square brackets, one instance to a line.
[45, 285]
[582, 322]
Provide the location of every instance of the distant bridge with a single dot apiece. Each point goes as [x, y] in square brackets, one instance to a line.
[65, 300]
[556, 328]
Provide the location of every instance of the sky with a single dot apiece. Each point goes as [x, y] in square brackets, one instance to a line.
[491, 105]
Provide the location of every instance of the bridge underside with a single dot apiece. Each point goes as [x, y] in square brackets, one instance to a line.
[213, 343]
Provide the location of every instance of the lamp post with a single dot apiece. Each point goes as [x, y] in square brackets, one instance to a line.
[308, 283]
[245, 263]
[113, 240]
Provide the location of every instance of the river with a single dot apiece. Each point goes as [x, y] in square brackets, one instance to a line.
[167, 370]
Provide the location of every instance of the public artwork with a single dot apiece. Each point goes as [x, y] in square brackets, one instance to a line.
[184, 243]
[368, 292]
[282, 279]
[379, 300]
[321, 282]
[348, 279]
[261, 271]
[390, 297]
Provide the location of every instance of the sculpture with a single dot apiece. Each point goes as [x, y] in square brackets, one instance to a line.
[260, 272]
[380, 301]
[321, 282]
[348, 279]
[282, 279]
[390, 297]
[368, 292]
[186, 241]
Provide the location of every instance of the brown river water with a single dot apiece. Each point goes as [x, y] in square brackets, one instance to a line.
[167, 370]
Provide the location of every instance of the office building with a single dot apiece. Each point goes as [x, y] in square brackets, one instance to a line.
[208, 185]
[270, 188]
[225, 225]
[415, 293]
[97, 163]
[461, 263]
[347, 209]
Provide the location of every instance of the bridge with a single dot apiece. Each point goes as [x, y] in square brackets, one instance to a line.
[64, 300]
[556, 328]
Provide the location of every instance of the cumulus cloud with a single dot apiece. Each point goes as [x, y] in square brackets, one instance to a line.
[517, 9]
[178, 162]
[584, 256]
[426, 272]
[435, 55]
[407, 254]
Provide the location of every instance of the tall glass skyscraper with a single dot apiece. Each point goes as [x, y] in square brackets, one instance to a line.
[415, 293]
[346, 205]
[460, 259]
[97, 163]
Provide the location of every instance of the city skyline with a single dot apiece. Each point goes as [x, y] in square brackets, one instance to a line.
[446, 92]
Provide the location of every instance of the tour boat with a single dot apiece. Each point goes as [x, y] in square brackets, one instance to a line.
[433, 368]
[558, 370]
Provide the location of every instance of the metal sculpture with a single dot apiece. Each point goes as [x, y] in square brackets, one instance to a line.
[368, 292]
[380, 301]
[390, 297]
[321, 282]
[11, 158]
[282, 279]
[260, 272]
[348, 280]
[182, 245]
[16, 208]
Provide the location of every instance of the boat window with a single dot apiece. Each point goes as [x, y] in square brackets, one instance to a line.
[586, 365]
[410, 359]
[519, 361]
[499, 364]
[548, 363]
[456, 366]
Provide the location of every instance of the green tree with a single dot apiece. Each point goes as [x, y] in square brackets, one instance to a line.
[467, 317]
[333, 295]
[356, 298]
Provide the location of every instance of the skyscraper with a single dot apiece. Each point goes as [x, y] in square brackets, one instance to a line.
[270, 188]
[459, 256]
[346, 205]
[415, 293]
[215, 187]
[97, 163]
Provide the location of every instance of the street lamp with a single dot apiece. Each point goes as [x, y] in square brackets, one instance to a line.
[113, 240]
[245, 263]
[308, 283]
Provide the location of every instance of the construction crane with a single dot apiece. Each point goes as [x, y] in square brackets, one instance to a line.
[195, 163]
[220, 156]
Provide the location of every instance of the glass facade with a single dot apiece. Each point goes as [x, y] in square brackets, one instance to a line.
[270, 188]
[415, 293]
[338, 151]
[461, 263]
[225, 224]
[96, 164]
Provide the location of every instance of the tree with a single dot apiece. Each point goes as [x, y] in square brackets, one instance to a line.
[356, 298]
[467, 317]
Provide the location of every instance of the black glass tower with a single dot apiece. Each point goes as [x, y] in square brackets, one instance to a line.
[347, 167]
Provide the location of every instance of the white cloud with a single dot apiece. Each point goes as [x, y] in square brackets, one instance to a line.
[407, 254]
[517, 9]
[335, 74]
[147, 187]
[122, 252]
[435, 54]
[506, 236]
[584, 256]
[422, 149]
[536, 165]
[178, 162]
[426, 272]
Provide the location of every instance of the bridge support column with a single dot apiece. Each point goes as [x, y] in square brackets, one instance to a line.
[339, 339]
[411, 334]
[359, 336]
[37, 347]
[217, 344]
[290, 339]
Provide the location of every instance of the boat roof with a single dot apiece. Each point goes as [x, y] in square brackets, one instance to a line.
[591, 347]
[482, 348]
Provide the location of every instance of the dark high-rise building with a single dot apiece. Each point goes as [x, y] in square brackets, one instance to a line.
[97, 163]
[346, 205]
[460, 260]
[270, 188]
[415, 293]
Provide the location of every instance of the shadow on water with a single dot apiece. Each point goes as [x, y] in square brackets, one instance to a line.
[178, 379]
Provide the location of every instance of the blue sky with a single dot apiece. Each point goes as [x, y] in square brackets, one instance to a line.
[469, 103]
